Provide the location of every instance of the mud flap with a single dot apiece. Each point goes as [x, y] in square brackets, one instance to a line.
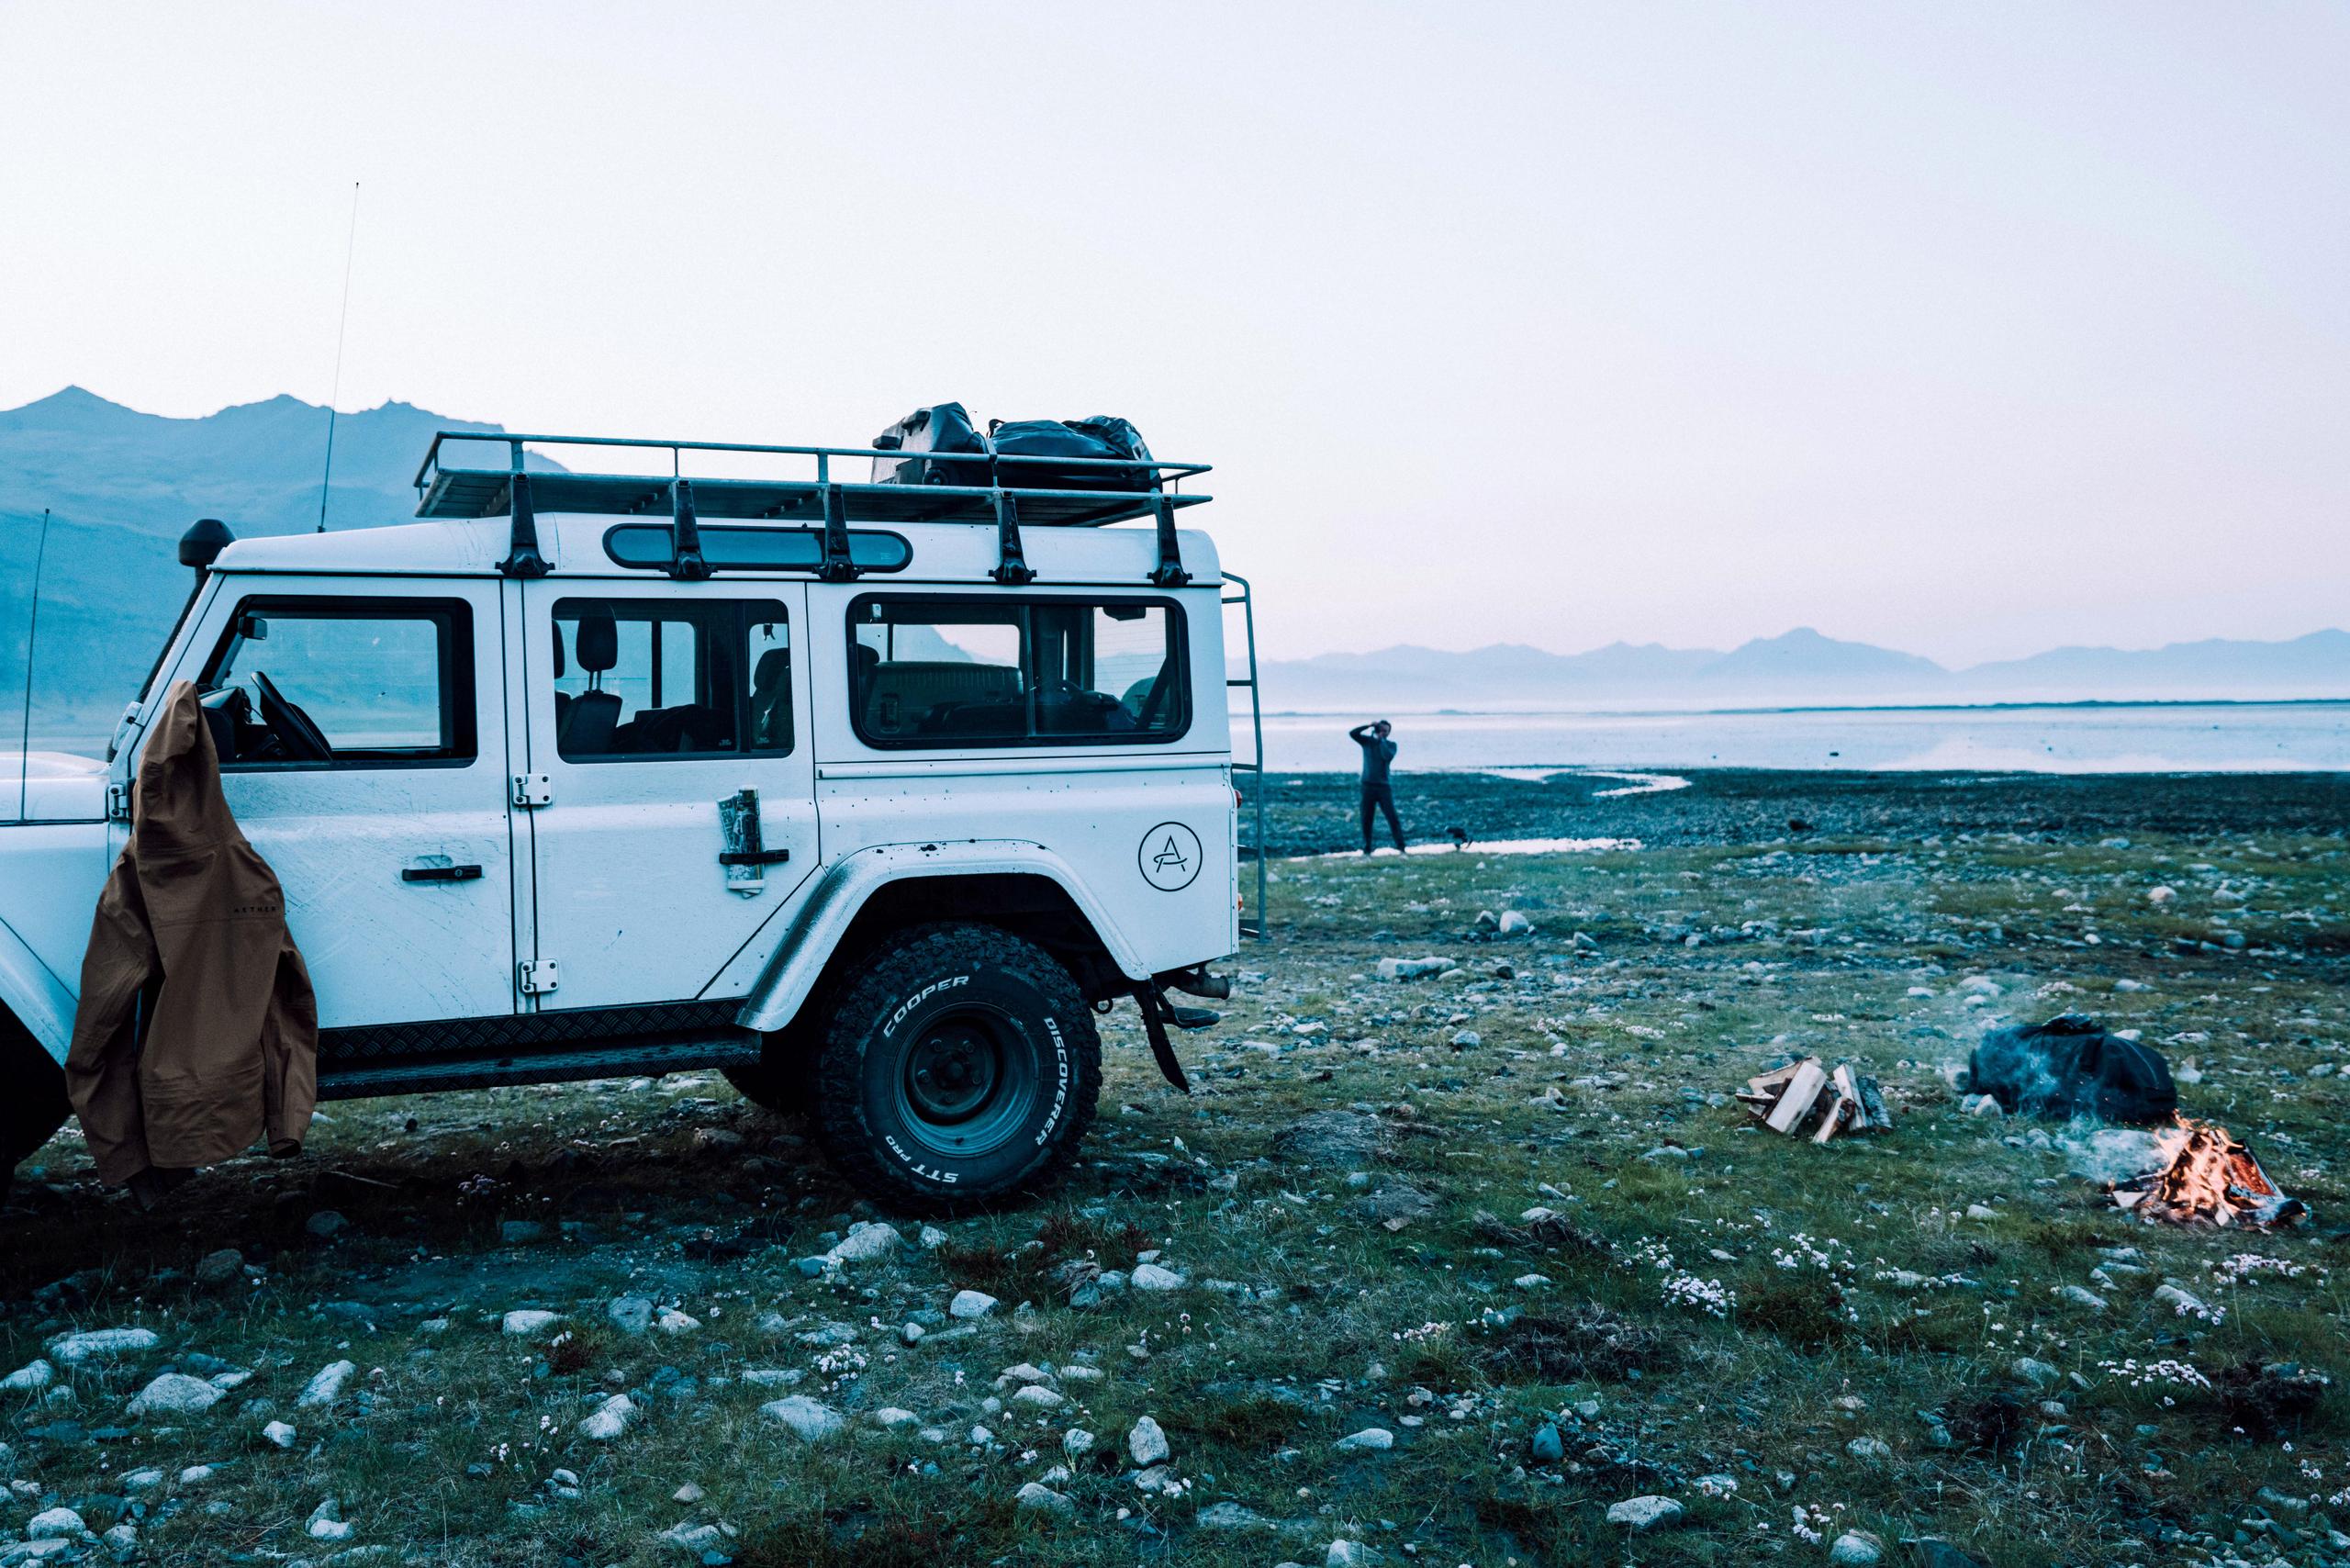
[1162, 1049]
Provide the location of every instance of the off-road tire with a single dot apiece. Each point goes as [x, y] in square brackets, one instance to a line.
[942, 1017]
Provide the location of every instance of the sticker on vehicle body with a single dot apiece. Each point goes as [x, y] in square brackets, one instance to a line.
[1169, 857]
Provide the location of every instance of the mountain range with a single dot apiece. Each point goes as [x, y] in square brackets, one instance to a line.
[121, 485]
[1801, 667]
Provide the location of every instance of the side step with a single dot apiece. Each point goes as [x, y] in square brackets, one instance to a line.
[734, 1047]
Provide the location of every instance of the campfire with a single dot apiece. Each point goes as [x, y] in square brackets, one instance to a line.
[2203, 1176]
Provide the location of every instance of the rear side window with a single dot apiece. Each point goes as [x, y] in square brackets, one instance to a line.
[644, 679]
[343, 682]
[945, 671]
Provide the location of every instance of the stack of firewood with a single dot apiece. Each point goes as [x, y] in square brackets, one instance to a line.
[1831, 1100]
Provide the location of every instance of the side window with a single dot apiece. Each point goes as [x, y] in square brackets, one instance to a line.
[343, 682]
[637, 679]
[945, 671]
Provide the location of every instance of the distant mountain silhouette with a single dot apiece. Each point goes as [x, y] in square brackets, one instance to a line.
[1798, 667]
[122, 485]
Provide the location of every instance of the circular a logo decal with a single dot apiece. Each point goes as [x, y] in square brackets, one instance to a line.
[1170, 857]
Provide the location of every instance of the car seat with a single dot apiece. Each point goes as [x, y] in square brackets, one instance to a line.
[771, 701]
[587, 726]
[562, 699]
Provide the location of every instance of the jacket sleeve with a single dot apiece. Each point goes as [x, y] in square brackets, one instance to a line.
[101, 1063]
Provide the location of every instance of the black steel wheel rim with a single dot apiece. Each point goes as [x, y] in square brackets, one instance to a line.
[966, 1082]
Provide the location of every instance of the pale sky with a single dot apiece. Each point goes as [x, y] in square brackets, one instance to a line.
[1968, 329]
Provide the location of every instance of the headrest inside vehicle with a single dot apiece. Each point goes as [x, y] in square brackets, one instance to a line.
[598, 642]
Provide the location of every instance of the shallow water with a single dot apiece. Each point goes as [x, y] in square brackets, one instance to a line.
[2203, 737]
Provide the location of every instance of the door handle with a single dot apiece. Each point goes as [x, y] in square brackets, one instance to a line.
[439, 873]
[754, 857]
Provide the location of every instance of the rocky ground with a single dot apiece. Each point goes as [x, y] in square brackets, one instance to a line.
[1481, 1267]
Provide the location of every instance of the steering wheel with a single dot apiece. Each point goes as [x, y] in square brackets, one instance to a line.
[302, 739]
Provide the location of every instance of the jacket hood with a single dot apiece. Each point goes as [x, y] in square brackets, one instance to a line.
[180, 808]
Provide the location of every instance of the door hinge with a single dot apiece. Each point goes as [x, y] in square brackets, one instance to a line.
[118, 802]
[533, 789]
[538, 975]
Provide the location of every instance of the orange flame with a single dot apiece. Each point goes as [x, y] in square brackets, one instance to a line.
[2203, 1176]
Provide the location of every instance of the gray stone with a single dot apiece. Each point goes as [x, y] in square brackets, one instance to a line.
[1371, 1439]
[1231, 1516]
[325, 1385]
[56, 1524]
[175, 1393]
[278, 1435]
[325, 1225]
[807, 1419]
[1147, 1442]
[630, 1314]
[1037, 1497]
[1547, 1446]
[1871, 1451]
[219, 1268]
[32, 1375]
[514, 1231]
[865, 1242]
[1857, 1548]
[694, 1539]
[1644, 1513]
[101, 1344]
[609, 1419]
[1152, 1277]
[1077, 1442]
[529, 1320]
[2038, 1374]
[971, 1304]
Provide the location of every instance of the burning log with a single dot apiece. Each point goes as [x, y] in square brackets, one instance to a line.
[1839, 1100]
[2205, 1177]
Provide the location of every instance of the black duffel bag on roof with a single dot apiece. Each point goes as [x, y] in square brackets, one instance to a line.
[1102, 436]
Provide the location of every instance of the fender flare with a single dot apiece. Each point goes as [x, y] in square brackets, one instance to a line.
[824, 917]
[35, 995]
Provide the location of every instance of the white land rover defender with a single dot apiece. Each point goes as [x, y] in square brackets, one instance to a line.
[870, 792]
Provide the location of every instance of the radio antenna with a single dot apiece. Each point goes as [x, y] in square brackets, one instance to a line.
[32, 635]
[342, 323]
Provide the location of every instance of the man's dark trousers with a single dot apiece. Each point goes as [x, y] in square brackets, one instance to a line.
[1381, 797]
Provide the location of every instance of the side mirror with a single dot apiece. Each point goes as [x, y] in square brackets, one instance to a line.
[202, 543]
[253, 628]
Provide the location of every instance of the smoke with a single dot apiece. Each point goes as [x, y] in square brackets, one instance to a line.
[2110, 1155]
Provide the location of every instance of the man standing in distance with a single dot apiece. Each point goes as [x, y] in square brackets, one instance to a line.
[1377, 793]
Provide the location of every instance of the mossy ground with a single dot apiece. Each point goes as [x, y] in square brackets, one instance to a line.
[1734, 1305]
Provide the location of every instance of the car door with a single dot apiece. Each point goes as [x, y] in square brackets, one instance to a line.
[388, 825]
[664, 717]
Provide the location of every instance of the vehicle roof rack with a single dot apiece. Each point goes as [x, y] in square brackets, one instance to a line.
[451, 489]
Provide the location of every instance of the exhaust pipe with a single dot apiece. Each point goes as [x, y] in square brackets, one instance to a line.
[1197, 981]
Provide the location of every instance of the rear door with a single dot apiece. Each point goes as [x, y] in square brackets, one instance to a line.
[386, 819]
[662, 716]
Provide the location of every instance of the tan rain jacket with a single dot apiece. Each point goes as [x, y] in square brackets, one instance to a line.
[194, 920]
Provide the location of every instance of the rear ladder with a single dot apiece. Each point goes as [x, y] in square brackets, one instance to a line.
[1252, 923]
